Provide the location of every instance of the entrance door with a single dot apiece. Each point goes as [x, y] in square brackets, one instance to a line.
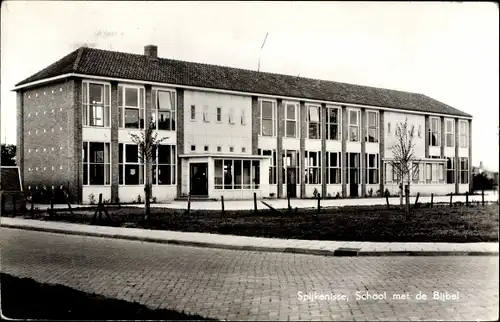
[291, 182]
[199, 176]
[354, 173]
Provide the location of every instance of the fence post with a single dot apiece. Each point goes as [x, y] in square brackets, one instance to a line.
[222, 202]
[189, 203]
[387, 200]
[432, 199]
[416, 200]
[52, 204]
[255, 202]
[467, 198]
[99, 205]
[451, 199]
[319, 202]
[482, 197]
[289, 207]
[14, 204]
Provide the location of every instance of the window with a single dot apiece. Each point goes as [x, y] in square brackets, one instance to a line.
[450, 133]
[243, 119]
[219, 148]
[435, 132]
[243, 150]
[314, 121]
[219, 114]
[193, 147]
[313, 167]
[291, 120]
[193, 112]
[333, 168]
[130, 166]
[291, 166]
[272, 164]
[231, 115]
[236, 174]
[389, 128]
[205, 148]
[371, 161]
[205, 114]
[95, 98]
[353, 168]
[354, 116]
[131, 107]
[464, 170]
[231, 149]
[464, 134]
[395, 172]
[419, 131]
[163, 165]
[164, 108]
[96, 163]
[450, 170]
[428, 173]
[333, 123]
[372, 127]
[267, 118]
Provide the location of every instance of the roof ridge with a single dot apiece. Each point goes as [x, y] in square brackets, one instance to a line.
[78, 58]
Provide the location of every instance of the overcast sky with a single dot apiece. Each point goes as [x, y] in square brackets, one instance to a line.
[448, 51]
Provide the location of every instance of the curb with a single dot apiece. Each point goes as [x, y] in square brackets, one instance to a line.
[340, 252]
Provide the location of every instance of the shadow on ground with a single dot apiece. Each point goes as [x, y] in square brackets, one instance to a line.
[24, 298]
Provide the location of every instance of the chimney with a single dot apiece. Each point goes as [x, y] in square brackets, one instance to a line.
[151, 51]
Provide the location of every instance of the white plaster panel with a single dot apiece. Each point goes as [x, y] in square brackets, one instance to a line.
[96, 190]
[353, 147]
[312, 145]
[310, 190]
[463, 152]
[96, 134]
[164, 193]
[333, 146]
[372, 148]
[267, 143]
[291, 144]
[333, 189]
[130, 193]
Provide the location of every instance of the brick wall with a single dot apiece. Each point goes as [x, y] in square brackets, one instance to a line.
[344, 148]
[180, 138]
[255, 125]
[49, 136]
[323, 150]
[114, 142]
[382, 150]
[279, 147]
[303, 135]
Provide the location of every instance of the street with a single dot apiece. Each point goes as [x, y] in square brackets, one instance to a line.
[228, 284]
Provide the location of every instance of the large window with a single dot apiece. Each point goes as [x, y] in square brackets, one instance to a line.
[314, 121]
[435, 132]
[434, 173]
[291, 166]
[372, 127]
[164, 108]
[96, 163]
[450, 133]
[95, 98]
[272, 164]
[464, 134]
[353, 168]
[236, 174]
[291, 120]
[313, 167]
[130, 167]
[333, 123]
[267, 118]
[163, 165]
[131, 107]
[450, 170]
[354, 118]
[333, 168]
[206, 116]
[372, 166]
[464, 170]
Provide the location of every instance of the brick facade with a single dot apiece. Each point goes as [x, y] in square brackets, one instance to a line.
[115, 168]
[180, 138]
[279, 146]
[303, 135]
[344, 149]
[323, 150]
[363, 152]
[255, 125]
[382, 151]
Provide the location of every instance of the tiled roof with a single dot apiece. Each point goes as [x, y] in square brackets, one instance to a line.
[97, 62]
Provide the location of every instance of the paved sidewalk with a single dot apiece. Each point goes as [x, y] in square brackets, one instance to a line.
[313, 247]
[299, 203]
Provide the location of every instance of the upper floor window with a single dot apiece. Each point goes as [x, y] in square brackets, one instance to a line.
[231, 115]
[243, 118]
[205, 114]
[291, 120]
[372, 127]
[219, 114]
[96, 111]
[354, 128]
[332, 123]
[164, 109]
[450, 133]
[435, 132]
[193, 112]
[464, 134]
[267, 118]
[131, 106]
[314, 121]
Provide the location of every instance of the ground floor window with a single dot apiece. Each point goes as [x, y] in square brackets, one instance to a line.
[450, 170]
[96, 163]
[434, 173]
[131, 169]
[272, 164]
[164, 165]
[372, 166]
[464, 170]
[291, 167]
[312, 167]
[236, 174]
[353, 168]
[333, 167]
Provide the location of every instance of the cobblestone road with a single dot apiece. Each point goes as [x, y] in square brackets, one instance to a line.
[226, 284]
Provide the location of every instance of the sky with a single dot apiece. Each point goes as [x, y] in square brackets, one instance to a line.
[446, 50]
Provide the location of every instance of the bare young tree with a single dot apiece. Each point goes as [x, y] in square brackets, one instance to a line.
[147, 142]
[404, 162]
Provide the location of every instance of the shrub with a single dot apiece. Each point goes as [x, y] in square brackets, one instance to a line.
[337, 196]
[387, 193]
[378, 193]
[370, 192]
[91, 199]
[315, 193]
[329, 196]
[139, 199]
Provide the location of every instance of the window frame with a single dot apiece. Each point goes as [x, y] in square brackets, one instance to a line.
[437, 131]
[124, 163]
[296, 167]
[464, 136]
[141, 99]
[206, 114]
[173, 165]
[337, 168]
[253, 176]
[231, 115]
[106, 104]
[449, 143]
[451, 170]
[274, 117]
[376, 168]
[329, 124]
[307, 168]
[309, 122]
[218, 114]
[86, 164]
[464, 171]
[376, 127]
[357, 125]
[155, 110]
[287, 119]
[273, 164]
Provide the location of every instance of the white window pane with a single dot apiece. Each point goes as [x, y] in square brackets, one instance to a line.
[353, 117]
[131, 97]
[290, 111]
[164, 100]
[313, 114]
